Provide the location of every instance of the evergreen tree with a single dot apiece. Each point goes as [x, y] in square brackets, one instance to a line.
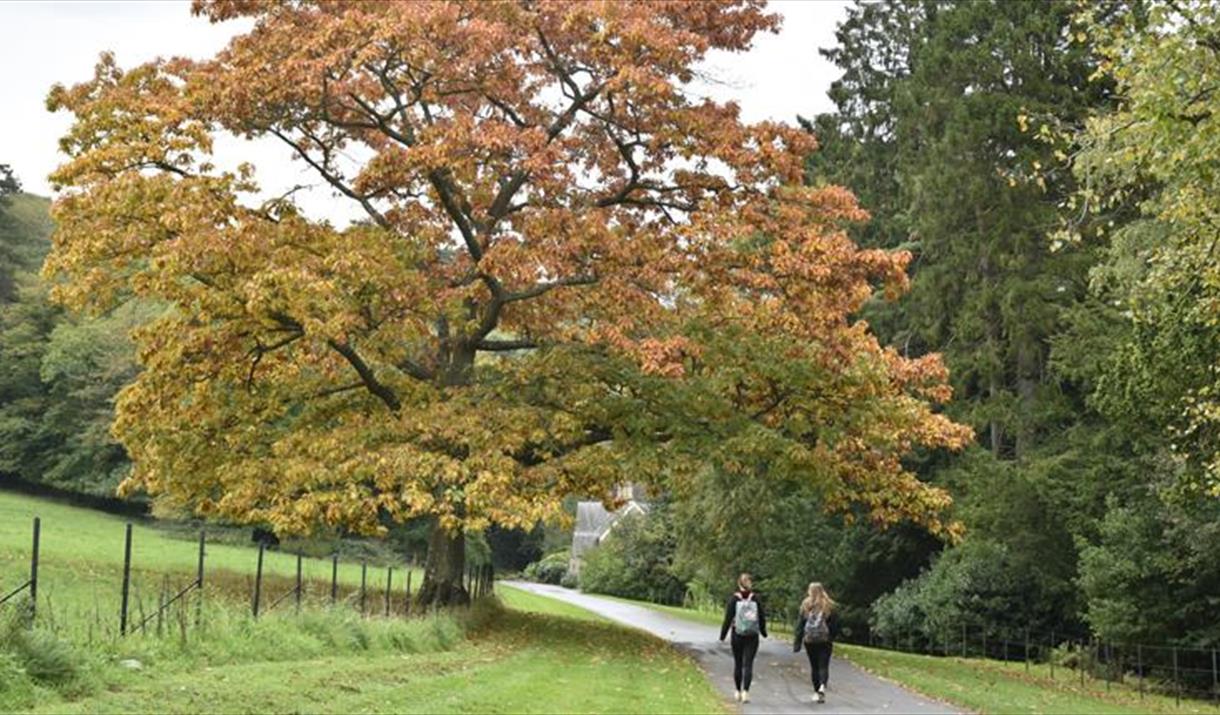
[929, 133]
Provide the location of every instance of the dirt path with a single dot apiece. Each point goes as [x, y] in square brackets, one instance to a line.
[781, 677]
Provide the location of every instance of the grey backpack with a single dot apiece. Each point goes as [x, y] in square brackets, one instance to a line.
[746, 621]
[816, 629]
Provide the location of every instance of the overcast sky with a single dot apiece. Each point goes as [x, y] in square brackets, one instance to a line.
[47, 42]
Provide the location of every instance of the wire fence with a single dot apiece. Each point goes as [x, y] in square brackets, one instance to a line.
[266, 592]
[1177, 671]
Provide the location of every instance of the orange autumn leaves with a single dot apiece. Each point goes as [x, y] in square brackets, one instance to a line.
[571, 270]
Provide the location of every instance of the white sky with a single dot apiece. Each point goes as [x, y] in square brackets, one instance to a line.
[45, 42]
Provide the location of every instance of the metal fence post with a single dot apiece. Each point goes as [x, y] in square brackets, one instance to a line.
[161, 601]
[298, 595]
[1026, 650]
[1215, 679]
[408, 604]
[963, 640]
[334, 579]
[126, 581]
[364, 569]
[1080, 662]
[34, 570]
[389, 577]
[199, 579]
[1139, 667]
[258, 579]
[1050, 653]
[1177, 684]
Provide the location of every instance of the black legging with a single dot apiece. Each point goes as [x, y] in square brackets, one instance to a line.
[819, 662]
[744, 650]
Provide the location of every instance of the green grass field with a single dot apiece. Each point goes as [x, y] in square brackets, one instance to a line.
[82, 560]
[529, 655]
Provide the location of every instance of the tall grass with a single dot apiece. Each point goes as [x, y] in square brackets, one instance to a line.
[50, 659]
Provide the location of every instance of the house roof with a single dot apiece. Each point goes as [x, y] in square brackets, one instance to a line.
[593, 520]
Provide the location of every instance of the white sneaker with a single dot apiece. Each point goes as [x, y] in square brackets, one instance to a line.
[745, 696]
[737, 695]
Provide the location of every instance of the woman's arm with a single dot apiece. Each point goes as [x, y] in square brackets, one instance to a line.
[728, 618]
[798, 632]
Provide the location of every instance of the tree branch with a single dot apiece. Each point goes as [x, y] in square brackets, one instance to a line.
[366, 375]
[334, 181]
[505, 345]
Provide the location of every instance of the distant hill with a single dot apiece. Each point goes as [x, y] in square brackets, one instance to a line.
[25, 238]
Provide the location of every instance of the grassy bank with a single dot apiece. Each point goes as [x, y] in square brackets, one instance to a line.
[989, 686]
[529, 655]
[82, 561]
[985, 686]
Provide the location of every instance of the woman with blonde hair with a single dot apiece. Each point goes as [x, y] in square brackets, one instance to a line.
[817, 626]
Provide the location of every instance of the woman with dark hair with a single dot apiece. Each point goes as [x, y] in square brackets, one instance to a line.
[745, 617]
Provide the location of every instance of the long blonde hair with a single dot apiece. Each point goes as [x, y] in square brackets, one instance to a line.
[817, 600]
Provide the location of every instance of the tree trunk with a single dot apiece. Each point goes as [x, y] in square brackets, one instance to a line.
[445, 570]
[1028, 369]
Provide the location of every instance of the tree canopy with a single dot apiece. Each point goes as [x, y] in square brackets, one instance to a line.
[572, 270]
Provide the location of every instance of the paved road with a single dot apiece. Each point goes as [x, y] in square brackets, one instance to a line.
[781, 677]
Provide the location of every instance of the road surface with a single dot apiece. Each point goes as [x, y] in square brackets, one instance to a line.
[781, 677]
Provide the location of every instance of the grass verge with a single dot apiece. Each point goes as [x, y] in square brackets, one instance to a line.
[988, 686]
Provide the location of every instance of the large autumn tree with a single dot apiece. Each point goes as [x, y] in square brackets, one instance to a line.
[573, 269]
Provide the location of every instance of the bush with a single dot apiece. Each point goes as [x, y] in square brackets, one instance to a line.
[1153, 575]
[552, 568]
[976, 585]
[635, 560]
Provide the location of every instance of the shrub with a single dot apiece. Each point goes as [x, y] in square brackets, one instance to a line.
[976, 585]
[551, 568]
[635, 560]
